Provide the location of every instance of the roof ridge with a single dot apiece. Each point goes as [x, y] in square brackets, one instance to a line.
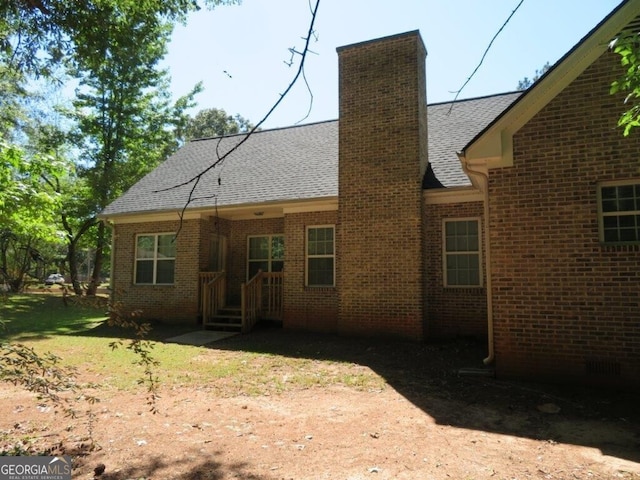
[481, 97]
[289, 127]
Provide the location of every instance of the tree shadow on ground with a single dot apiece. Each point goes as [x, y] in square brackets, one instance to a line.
[209, 468]
[428, 375]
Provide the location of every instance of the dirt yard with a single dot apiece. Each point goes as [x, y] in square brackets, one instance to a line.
[425, 421]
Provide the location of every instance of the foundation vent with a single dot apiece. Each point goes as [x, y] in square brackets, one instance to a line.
[602, 368]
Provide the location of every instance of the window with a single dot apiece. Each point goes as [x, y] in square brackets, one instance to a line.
[462, 265]
[619, 212]
[265, 253]
[320, 256]
[155, 258]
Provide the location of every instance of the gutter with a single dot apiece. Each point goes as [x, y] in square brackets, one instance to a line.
[480, 180]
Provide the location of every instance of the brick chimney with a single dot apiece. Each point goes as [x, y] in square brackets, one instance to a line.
[383, 157]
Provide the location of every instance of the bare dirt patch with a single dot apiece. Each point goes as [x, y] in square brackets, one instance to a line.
[392, 411]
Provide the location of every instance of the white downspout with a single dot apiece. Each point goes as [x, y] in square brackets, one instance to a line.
[483, 186]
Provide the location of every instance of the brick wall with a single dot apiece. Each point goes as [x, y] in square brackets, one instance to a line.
[174, 303]
[306, 308]
[382, 143]
[564, 305]
[451, 311]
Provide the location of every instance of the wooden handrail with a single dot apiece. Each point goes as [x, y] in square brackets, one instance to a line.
[214, 292]
[262, 297]
[251, 301]
[272, 305]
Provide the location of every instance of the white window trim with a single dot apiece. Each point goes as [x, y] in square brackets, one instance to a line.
[601, 214]
[307, 256]
[445, 253]
[269, 260]
[155, 258]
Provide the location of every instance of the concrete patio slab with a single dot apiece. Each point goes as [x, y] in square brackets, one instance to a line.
[200, 337]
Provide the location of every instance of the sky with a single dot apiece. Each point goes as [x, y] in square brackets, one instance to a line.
[240, 52]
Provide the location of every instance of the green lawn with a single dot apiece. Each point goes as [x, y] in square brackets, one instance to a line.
[80, 336]
[44, 315]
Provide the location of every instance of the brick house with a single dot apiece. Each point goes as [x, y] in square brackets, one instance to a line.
[512, 217]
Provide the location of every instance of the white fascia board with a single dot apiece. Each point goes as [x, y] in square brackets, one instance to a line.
[495, 146]
[237, 212]
[443, 196]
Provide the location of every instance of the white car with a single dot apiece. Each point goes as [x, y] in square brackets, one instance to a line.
[54, 278]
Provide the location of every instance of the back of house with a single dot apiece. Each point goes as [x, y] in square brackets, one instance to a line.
[513, 218]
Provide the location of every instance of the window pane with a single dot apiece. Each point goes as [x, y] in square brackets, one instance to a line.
[461, 244]
[626, 204]
[463, 277]
[628, 235]
[258, 248]
[166, 246]
[259, 265]
[320, 272]
[462, 236]
[144, 271]
[463, 269]
[277, 266]
[625, 191]
[611, 236]
[277, 248]
[165, 271]
[320, 241]
[608, 192]
[474, 244]
[609, 205]
[145, 246]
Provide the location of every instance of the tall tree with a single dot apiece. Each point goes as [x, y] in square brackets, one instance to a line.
[627, 45]
[213, 122]
[526, 82]
[37, 35]
[27, 210]
[123, 110]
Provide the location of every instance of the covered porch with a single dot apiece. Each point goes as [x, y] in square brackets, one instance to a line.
[261, 298]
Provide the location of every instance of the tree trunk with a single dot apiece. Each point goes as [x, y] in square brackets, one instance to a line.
[73, 266]
[97, 261]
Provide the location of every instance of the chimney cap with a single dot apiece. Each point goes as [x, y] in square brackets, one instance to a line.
[411, 33]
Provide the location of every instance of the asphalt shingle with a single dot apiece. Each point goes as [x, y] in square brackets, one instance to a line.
[294, 163]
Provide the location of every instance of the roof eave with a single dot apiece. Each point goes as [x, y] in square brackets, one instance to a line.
[494, 145]
[247, 211]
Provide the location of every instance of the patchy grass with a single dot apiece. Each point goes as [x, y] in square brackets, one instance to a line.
[38, 316]
[79, 335]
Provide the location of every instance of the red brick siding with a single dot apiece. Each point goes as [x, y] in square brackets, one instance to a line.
[306, 308]
[174, 303]
[560, 298]
[452, 311]
[382, 154]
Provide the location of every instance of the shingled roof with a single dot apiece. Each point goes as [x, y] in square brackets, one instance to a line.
[294, 163]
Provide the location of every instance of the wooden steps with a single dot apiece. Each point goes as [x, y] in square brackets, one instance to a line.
[226, 319]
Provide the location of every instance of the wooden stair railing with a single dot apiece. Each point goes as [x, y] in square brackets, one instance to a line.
[251, 302]
[214, 292]
[272, 300]
[261, 297]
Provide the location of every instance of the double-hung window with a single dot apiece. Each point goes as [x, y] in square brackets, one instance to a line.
[619, 212]
[320, 271]
[462, 253]
[266, 253]
[155, 258]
